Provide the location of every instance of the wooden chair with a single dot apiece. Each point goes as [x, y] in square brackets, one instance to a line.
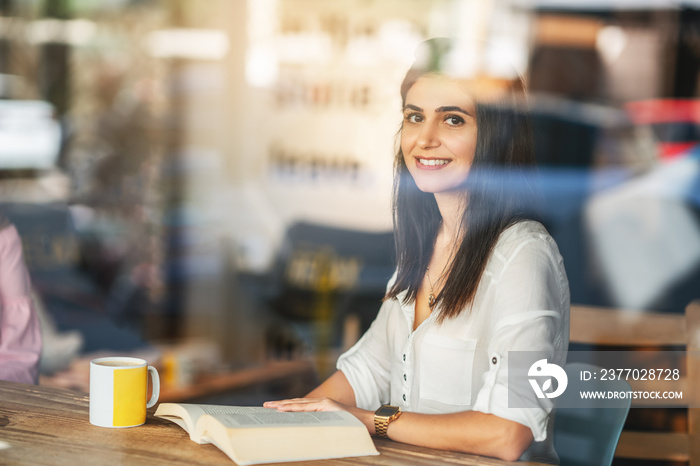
[614, 327]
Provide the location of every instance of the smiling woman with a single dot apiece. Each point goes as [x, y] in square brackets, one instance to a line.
[476, 279]
[479, 138]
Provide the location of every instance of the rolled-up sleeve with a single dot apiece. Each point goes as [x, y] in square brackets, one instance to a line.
[367, 365]
[530, 315]
[20, 333]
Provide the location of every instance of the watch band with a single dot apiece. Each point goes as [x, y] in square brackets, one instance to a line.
[381, 425]
[382, 417]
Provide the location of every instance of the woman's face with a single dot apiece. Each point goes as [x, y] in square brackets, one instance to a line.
[438, 136]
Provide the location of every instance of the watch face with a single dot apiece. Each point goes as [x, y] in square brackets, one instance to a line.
[387, 411]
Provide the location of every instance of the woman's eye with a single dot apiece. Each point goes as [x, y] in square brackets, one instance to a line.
[413, 117]
[454, 120]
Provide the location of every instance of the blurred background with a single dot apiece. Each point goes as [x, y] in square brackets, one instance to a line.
[208, 183]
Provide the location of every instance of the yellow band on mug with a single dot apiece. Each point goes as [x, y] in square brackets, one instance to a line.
[129, 407]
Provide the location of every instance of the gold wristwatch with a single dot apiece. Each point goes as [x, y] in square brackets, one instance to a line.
[383, 416]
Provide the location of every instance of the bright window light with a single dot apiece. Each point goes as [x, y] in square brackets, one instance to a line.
[195, 44]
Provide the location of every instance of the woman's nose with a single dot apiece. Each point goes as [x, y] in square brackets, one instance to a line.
[428, 137]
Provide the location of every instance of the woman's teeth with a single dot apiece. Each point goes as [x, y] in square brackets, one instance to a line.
[433, 162]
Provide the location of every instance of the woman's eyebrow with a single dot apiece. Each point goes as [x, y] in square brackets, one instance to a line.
[412, 107]
[451, 108]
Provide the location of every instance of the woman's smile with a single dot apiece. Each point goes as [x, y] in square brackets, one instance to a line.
[430, 163]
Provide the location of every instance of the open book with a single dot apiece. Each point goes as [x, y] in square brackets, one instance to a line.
[251, 435]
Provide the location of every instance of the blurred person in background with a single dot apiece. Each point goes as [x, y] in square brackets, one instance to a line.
[20, 333]
[475, 279]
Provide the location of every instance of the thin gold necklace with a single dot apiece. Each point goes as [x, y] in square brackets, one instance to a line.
[431, 296]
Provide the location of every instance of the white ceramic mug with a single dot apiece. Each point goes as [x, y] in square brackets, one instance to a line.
[119, 391]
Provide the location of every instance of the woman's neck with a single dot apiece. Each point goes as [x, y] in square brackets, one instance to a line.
[451, 206]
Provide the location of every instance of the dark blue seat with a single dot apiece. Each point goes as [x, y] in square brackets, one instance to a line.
[588, 436]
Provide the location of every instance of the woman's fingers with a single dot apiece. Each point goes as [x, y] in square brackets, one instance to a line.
[300, 407]
[304, 404]
[274, 404]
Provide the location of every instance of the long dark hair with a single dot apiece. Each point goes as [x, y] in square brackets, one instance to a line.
[498, 193]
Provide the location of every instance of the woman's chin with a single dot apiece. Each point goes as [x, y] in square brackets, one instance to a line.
[440, 186]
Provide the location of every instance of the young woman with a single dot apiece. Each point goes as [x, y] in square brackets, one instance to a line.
[475, 280]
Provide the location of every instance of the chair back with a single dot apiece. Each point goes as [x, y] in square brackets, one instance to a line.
[588, 436]
[318, 262]
[627, 328]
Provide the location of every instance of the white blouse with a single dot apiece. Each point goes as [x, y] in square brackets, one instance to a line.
[522, 304]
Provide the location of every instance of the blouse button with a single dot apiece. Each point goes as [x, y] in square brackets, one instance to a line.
[494, 360]
[404, 377]
[404, 357]
[404, 397]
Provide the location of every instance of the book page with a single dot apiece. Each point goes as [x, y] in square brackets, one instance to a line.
[262, 435]
[250, 417]
[246, 433]
[185, 415]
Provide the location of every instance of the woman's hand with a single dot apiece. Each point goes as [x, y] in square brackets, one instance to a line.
[307, 404]
[323, 404]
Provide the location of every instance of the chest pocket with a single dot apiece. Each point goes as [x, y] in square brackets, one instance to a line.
[446, 369]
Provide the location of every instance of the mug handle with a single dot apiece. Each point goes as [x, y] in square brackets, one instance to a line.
[156, 387]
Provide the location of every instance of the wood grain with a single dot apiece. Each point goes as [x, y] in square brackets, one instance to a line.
[618, 327]
[693, 321]
[50, 426]
[653, 446]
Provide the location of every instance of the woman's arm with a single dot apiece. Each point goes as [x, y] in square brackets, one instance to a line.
[337, 388]
[20, 334]
[469, 431]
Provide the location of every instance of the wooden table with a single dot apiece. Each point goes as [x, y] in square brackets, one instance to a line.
[49, 426]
